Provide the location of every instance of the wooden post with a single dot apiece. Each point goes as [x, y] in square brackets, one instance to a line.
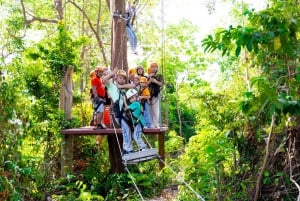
[116, 165]
[161, 149]
[65, 104]
[118, 60]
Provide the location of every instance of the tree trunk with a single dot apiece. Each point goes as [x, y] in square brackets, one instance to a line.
[119, 38]
[119, 60]
[65, 104]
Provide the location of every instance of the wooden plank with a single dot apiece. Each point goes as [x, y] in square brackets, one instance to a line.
[89, 130]
[140, 156]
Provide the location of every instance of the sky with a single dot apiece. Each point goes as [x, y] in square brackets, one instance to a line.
[197, 12]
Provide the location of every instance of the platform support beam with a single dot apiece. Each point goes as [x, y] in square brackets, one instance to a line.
[161, 149]
[116, 165]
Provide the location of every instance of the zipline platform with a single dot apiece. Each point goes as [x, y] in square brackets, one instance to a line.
[116, 160]
[89, 130]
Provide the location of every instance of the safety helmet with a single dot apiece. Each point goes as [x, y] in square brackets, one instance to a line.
[131, 71]
[121, 72]
[130, 93]
[92, 73]
[143, 79]
[154, 64]
[99, 68]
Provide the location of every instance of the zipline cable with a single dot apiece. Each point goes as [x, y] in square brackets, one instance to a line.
[182, 180]
[130, 175]
[116, 134]
[161, 160]
[136, 187]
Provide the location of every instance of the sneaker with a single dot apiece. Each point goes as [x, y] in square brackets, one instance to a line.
[99, 126]
[103, 126]
[144, 149]
[124, 152]
[135, 52]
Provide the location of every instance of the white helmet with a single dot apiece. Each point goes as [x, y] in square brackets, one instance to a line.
[130, 93]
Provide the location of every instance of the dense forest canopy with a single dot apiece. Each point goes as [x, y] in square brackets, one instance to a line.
[232, 139]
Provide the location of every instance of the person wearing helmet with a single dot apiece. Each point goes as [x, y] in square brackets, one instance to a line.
[144, 97]
[156, 81]
[117, 94]
[136, 82]
[136, 116]
[131, 74]
[98, 95]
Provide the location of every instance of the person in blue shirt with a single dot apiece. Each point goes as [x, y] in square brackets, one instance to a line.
[137, 117]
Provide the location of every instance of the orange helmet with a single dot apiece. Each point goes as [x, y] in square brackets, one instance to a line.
[143, 79]
[122, 72]
[131, 71]
[154, 64]
[92, 73]
[99, 68]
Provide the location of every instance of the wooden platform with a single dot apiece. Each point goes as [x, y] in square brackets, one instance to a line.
[116, 161]
[89, 130]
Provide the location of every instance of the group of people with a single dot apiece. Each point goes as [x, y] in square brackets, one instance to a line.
[134, 100]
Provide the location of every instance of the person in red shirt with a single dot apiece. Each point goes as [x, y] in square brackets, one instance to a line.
[98, 95]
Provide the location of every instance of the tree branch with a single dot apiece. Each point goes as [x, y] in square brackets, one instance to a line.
[95, 31]
[291, 175]
[30, 21]
[260, 176]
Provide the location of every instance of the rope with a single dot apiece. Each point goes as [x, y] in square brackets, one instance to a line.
[132, 178]
[197, 195]
[136, 187]
[116, 135]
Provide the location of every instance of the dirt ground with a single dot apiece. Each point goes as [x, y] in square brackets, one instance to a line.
[168, 194]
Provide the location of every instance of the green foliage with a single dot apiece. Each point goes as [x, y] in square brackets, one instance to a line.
[61, 52]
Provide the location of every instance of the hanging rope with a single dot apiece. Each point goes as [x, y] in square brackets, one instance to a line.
[160, 158]
[182, 180]
[163, 47]
[136, 187]
[116, 134]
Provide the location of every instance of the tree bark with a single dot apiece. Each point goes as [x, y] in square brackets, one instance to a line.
[260, 176]
[119, 37]
[65, 104]
[119, 60]
[95, 29]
